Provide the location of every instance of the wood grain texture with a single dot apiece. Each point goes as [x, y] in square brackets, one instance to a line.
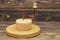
[49, 31]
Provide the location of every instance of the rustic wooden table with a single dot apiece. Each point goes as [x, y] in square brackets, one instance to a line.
[49, 31]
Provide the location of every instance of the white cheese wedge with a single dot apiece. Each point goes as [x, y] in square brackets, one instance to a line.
[24, 24]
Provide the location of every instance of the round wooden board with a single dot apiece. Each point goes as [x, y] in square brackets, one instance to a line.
[12, 31]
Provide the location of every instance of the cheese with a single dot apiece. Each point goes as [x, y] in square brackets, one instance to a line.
[23, 24]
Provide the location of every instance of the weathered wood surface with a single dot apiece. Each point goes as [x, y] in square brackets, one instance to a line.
[49, 31]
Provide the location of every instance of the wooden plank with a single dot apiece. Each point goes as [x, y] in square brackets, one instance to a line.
[49, 31]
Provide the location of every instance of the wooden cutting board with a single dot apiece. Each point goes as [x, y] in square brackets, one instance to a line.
[12, 31]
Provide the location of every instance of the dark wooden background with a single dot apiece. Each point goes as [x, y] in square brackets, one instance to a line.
[47, 10]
